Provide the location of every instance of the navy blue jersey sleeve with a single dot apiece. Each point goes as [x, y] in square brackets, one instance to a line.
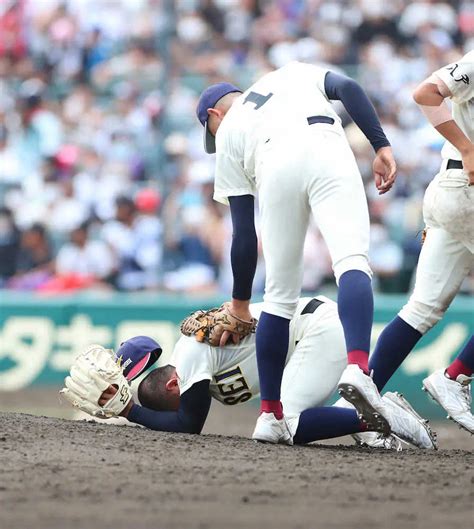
[358, 105]
[193, 409]
[243, 252]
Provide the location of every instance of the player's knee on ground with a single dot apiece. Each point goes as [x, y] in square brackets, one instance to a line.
[352, 262]
[422, 316]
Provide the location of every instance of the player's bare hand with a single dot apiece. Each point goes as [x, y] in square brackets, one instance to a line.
[241, 310]
[108, 394]
[468, 163]
[385, 170]
[228, 337]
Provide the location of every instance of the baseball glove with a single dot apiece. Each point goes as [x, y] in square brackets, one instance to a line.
[92, 373]
[209, 325]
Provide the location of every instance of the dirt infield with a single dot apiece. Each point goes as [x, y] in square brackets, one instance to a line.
[62, 474]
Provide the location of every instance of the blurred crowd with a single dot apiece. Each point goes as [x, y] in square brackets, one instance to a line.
[103, 179]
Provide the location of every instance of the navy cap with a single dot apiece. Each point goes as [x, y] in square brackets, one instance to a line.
[136, 355]
[208, 99]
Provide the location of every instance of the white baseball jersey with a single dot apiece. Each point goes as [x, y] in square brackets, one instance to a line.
[459, 78]
[232, 370]
[269, 108]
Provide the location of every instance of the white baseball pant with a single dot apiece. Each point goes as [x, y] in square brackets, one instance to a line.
[315, 367]
[310, 172]
[446, 257]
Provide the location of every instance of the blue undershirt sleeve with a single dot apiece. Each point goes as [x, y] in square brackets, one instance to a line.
[190, 418]
[243, 252]
[358, 105]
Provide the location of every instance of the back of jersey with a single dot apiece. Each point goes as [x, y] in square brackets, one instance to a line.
[278, 104]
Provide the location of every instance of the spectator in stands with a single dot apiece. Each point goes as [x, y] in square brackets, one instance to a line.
[85, 258]
[10, 171]
[41, 130]
[35, 261]
[67, 212]
[9, 245]
[136, 245]
[101, 95]
[197, 272]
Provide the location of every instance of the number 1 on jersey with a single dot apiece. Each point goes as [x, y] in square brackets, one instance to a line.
[258, 99]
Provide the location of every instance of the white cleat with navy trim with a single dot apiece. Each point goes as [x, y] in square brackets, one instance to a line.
[269, 429]
[454, 396]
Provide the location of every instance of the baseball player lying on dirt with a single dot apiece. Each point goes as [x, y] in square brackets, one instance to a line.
[177, 397]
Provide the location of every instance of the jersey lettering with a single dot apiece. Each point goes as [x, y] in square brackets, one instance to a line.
[234, 391]
[258, 99]
[464, 78]
[244, 397]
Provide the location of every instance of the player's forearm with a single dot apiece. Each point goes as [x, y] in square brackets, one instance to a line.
[244, 251]
[358, 106]
[451, 131]
[430, 96]
[163, 421]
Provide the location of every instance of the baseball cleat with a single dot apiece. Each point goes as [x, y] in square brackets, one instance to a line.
[407, 424]
[269, 429]
[359, 390]
[454, 396]
[378, 440]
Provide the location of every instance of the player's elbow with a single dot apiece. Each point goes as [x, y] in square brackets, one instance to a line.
[425, 93]
[418, 94]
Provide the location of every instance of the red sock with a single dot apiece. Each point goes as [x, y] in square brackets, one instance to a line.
[272, 406]
[361, 358]
[458, 368]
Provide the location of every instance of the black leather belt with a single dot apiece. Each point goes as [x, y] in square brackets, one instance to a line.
[320, 119]
[311, 306]
[454, 164]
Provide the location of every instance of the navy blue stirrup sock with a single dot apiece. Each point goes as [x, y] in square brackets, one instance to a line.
[272, 347]
[395, 343]
[466, 356]
[355, 303]
[326, 422]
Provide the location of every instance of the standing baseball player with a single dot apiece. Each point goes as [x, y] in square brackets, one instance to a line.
[282, 139]
[177, 397]
[446, 256]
